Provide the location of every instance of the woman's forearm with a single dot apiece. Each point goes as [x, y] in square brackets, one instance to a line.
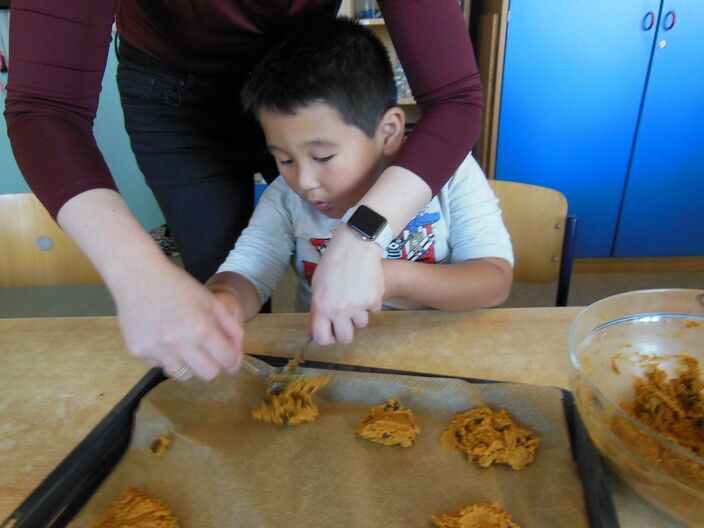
[100, 222]
[167, 317]
[397, 195]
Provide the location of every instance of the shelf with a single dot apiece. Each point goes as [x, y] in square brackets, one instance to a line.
[371, 21]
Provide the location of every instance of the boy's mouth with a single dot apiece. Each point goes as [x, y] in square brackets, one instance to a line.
[322, 206]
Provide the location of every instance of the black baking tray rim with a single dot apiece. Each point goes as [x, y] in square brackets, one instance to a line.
[66, 489]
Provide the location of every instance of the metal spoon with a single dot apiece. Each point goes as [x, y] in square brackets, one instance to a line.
[282, 376]
[249, 365]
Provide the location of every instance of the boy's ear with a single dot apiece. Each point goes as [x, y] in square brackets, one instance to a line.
[392, 129]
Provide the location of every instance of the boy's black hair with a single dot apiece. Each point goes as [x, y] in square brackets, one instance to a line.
[334, 61]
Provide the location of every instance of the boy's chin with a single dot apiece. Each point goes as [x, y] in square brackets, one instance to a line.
[334, 214]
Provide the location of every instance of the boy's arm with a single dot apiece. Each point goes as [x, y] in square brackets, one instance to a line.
[239, 296]
[468, 285]
[258, 262]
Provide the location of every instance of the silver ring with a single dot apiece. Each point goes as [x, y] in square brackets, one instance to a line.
[181, 372]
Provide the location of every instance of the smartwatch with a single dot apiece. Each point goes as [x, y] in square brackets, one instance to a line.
[370, 225]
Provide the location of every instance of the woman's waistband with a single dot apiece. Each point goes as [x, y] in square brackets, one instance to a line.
[139, 58]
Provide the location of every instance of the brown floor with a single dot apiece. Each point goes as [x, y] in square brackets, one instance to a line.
[586, 288]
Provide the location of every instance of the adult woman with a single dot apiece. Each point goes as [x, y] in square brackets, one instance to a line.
[179, 72]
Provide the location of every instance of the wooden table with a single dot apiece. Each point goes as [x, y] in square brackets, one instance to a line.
[62, 375]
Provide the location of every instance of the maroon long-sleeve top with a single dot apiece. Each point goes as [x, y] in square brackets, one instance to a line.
[59, 49]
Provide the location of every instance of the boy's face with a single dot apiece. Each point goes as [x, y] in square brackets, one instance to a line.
[327, 162]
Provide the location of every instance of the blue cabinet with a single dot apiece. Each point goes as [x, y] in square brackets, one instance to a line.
[663, 207]
[590, 98]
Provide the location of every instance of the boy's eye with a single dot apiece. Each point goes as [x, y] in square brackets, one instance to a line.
[285, 162]
[324, 159]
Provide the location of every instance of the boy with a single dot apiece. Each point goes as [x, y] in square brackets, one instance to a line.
[332, 130]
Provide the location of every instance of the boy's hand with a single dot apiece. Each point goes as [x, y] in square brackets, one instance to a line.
[347, 285]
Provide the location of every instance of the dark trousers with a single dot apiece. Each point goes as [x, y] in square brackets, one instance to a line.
[198, 153]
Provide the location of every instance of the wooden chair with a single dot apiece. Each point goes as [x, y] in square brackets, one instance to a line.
[542, 233]
[34, 250]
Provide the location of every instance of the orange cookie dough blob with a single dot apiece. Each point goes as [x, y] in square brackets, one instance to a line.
[136, 509]
[673, 409]
[476, 516]
[293, 405]
[490, 437]
[160, 445]
[389, 424]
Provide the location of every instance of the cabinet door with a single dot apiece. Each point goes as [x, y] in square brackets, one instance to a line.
[663, 209]
[574, 75]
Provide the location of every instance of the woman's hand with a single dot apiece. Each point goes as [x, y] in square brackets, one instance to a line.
[170, 320]
[347, 285]
[167, 318]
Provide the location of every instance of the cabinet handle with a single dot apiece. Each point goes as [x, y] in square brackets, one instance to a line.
[670, 19]
[649, 21]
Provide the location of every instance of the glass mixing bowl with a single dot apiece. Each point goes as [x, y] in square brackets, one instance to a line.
[613, 342]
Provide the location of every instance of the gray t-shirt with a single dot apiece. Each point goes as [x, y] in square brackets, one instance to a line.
[462, 222]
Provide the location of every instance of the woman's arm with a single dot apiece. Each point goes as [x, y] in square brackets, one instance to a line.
[167, 318]
[432, 41]
[480, 283]
[59, 51]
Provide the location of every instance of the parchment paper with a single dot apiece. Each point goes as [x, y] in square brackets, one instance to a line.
[225, 470]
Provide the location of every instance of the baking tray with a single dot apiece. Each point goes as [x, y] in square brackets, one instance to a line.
[66, 489]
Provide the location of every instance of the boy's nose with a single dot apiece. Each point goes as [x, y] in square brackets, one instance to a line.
[307, 178]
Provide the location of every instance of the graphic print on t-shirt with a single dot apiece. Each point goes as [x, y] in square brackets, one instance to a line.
[309, 267]
[415, 243]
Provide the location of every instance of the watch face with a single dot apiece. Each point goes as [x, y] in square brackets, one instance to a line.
[367, 222]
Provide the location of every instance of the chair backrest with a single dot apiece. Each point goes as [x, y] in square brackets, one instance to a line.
[34, 250]
[541, 233]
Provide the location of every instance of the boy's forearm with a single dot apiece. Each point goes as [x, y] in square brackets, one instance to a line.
[468, 285]
[239, 290]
